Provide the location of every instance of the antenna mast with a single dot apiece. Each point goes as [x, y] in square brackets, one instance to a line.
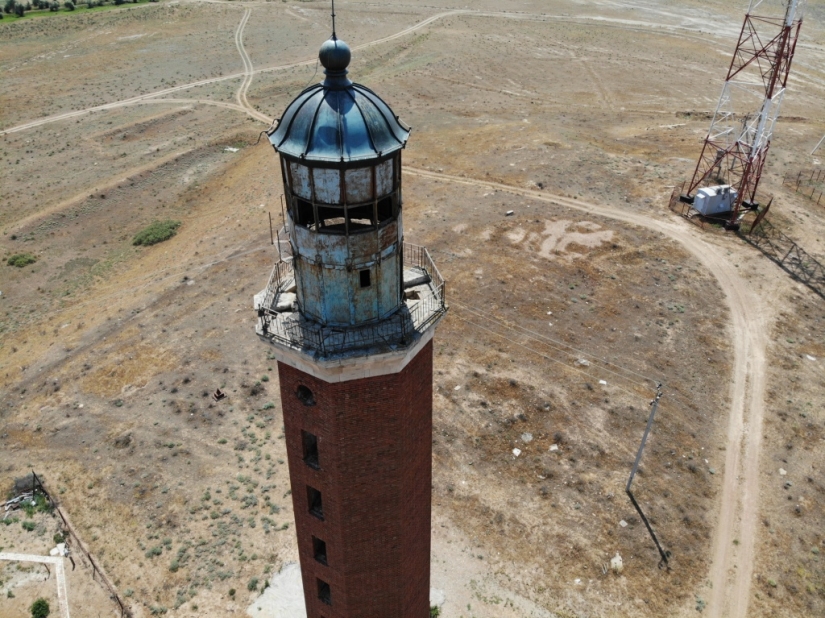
[333, 21]
[739, 137]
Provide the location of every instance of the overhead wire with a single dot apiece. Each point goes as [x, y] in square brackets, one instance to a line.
[543, 339]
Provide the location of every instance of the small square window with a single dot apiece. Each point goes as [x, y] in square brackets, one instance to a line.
[365, 278]
[323, 592]
[310, 447]
[319, 550]
[316, 505]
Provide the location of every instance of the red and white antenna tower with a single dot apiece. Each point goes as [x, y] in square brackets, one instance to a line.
[740, 134]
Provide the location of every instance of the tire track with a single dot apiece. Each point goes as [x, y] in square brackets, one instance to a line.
[602, 23]
[249, 72]
[731, 565]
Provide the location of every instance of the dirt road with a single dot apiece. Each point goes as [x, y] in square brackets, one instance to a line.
[732, 564]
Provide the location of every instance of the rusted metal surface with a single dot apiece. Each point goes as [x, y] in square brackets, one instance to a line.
[338, 122]
[426, 304]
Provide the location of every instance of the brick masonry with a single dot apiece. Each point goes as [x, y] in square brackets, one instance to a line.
[375, 478]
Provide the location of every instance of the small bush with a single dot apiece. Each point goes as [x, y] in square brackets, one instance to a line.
[69, 5]
[435, 611]
[40, 608]
[156, 232]
[253, 584]
[29, 525]
[154, 551]
[21, 259]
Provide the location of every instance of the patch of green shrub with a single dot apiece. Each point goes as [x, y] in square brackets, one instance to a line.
[40, 608]
[28, 525]
[21, 259]
[156, 232]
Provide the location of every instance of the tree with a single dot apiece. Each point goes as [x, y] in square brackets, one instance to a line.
[54, 6]
[9, 7]
[69, 5]
[19, 10]
[40, 608]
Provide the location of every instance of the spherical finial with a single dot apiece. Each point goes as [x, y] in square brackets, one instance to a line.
[335, 55]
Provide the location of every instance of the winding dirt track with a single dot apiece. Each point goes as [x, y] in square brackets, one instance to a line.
[732, 565]
[248, 73]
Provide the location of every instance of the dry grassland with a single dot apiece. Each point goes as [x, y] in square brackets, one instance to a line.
[109, 352]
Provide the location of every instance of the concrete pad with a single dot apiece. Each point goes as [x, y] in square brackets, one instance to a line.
[284, 598]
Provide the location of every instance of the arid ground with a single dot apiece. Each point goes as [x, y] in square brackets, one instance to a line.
[579, 117]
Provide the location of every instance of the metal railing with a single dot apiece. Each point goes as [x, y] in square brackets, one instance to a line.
[397, 330]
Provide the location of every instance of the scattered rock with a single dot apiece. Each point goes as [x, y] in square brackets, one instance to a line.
[516, 452]
[527, 438]
[782, 472]
[616, 564]
[123, 441]
[623, 524]
[509, 213]
[583, 362]
[554, 447]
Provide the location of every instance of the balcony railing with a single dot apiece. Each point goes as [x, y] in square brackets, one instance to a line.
[398, 330]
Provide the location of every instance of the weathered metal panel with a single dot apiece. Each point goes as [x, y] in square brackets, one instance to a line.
[337, 295]
[332, 248]
[327, 185]
[359, 185]
[364, 247]
[364, 300]
[383, 178]
[310, 277]
[389, 291]
[387, 235]
[300, 180]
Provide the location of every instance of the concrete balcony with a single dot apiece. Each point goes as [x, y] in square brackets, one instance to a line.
[281, 323]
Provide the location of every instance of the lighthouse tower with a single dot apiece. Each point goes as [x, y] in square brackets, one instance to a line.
[350, 316]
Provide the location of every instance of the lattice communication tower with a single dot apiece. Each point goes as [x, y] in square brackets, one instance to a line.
[740, 133]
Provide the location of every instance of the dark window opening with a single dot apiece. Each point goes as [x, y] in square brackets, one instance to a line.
[331, 219]
[360, 217]
[385, 209]
[302, 212]
[305, 395]
[364, 276]
[310, 443]
[319, 550]
[316, 506]
[323, 592]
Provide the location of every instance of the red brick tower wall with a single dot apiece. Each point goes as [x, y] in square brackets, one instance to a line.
[374, 474]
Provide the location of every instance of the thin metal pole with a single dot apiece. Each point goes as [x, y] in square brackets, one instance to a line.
[654, 405]
[818, 145]
[271, 239]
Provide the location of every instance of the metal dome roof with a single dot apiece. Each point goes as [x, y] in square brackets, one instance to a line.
[337, 120]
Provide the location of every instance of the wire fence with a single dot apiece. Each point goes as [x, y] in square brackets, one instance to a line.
[810, 183]
[788, 255]
[97, 573]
